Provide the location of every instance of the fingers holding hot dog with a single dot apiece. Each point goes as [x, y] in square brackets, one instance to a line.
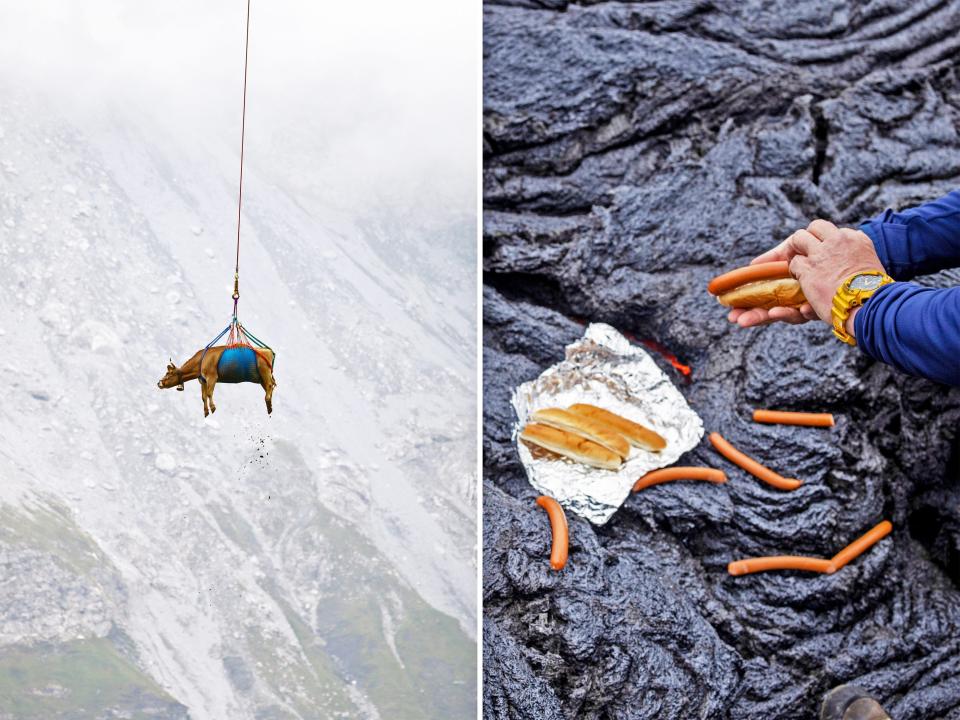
[824, 230]
[802, 242]
[774, 254]
[797, 243]
[837, 254]
[820, 257]
[754, 317]
[759, 286]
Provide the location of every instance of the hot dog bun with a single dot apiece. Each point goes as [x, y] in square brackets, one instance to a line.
[572, 446]
[784, 292]
[582, 425]
[750, 273]
[635, 433]
[764, 285]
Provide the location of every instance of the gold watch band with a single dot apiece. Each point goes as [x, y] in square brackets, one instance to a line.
[849, 296]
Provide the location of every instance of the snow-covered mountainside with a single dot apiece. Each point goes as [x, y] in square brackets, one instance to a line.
[317, 563]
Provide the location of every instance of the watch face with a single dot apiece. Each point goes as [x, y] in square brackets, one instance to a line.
[866, 282]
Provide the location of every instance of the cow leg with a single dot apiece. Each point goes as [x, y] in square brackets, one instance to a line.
[266, 382]
[209, 371]
[211, 384]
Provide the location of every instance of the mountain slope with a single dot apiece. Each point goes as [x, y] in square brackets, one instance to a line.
[319, 562]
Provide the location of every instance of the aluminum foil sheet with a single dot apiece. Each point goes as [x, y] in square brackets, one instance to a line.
[603, 368]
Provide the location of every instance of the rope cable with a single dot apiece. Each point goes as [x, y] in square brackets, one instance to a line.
[243, 130]
[238, 334]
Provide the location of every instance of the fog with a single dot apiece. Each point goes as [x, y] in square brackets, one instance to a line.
[358, 102]
[231, 566]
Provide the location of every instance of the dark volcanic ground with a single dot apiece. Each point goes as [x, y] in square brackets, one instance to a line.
[633, 151]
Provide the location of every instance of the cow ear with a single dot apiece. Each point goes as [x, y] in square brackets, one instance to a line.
[171, 366]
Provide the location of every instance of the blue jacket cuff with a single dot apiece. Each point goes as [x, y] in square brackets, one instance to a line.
[889, 239]
[861, 319]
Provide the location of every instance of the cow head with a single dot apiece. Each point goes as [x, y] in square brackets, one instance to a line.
[173, 378]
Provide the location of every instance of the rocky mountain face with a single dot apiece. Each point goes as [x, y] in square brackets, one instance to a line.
[632, 152]
[155, 564]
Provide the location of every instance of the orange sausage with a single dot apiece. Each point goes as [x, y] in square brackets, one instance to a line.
[558, 526]
[862, 544]
[751, 465]
[785, 417]
[663, 475]
[750, 273]
[781, 562]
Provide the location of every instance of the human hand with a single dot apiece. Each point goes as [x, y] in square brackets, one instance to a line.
[821, 258]
[752, 317]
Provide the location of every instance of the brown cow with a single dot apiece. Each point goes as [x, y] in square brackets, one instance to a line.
[190, 370]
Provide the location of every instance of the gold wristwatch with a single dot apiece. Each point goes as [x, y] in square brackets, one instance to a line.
[852, 294]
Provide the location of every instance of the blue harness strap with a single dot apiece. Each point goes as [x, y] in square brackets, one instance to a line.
[202, 379]
[237, 365]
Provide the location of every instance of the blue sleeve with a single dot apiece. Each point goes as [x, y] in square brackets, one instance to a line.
[913, 328]
[919, 240]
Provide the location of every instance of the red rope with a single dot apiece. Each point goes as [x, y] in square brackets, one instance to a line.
[243, 130]
[238, 339]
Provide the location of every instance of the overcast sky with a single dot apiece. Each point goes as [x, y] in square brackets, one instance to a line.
[377, 99]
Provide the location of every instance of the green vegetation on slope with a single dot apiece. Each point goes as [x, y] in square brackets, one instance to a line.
[363, 605]
[79, 679]
[437, 676]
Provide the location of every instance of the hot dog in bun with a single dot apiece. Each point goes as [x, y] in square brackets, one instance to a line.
[764, 285]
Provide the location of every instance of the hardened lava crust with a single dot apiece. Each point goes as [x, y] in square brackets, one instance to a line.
[632, 152]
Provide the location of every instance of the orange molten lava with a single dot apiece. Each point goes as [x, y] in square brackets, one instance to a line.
[684, 370]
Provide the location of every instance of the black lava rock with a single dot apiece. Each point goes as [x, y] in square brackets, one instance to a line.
[633, 151]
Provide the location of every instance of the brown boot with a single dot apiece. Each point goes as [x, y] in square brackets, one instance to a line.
[848, 702]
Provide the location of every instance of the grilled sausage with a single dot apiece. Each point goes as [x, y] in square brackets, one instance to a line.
[751, 273]
[862, 544]
[558, 526]
[765, 285]
[781, 562]
[679, 473]
[785, 417]
[794, 562]
[750, 465]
